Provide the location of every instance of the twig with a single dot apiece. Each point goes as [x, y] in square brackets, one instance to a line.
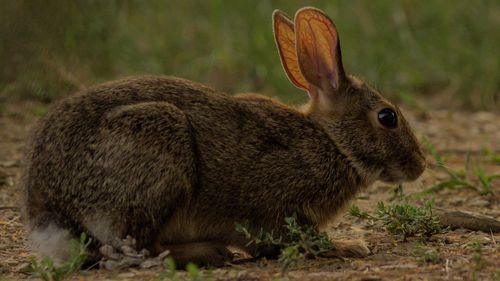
[458, 219]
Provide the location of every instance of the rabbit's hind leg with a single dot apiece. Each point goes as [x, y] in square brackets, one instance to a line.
[147, 158]
[200, 253]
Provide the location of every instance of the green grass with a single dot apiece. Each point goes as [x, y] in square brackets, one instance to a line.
[482, 183]
[477, 257]
[426, 256]
[403, 219]
[193, 273]
[406, 49]
[299, 243]
[48, 271]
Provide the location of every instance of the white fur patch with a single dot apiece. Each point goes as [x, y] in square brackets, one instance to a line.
[52, 242]
[102, 228]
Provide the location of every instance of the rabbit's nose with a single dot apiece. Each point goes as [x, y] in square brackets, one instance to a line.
[416, 167]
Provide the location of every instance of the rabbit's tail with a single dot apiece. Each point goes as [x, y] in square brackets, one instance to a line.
[51, 237]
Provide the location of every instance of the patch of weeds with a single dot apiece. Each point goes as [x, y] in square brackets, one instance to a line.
[426, 256]
[171, 273]
[262, 239]
[355, 211]
[459, 179]
[485, 180]
[48, 271]
[477, 258]
[409, 220]
[403, 219]
[456, 179]
[300, 242]
[195, 274]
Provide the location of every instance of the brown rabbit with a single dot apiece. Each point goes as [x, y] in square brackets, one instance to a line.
[176, 164]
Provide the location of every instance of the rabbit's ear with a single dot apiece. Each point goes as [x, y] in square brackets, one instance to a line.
[318, 49]
[284, 35]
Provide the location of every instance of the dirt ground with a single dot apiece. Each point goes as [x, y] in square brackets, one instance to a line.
[453, 134]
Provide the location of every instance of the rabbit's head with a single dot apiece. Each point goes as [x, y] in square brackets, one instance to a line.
[365, 126]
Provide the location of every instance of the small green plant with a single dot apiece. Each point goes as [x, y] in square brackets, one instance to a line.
[305, 241]
[171, 273]
[195, 274]
[459, 179]
[300, 242]
[426, 256]
[48, 271]
[355, 211]
[403, 219]
[397, 193]
[477, 258]
[263, 238]
[485, 180]
[409, 220]
[456, 179]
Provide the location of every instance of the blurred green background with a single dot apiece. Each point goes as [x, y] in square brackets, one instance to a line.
[412, 50]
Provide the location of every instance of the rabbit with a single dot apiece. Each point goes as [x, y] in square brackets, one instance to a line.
[175, 164]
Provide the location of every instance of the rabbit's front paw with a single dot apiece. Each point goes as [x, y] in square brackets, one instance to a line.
[348, 249]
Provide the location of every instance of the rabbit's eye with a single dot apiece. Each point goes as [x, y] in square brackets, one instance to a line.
[388, 118]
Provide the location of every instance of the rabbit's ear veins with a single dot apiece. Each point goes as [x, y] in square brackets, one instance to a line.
[318, 48]
[284, 35]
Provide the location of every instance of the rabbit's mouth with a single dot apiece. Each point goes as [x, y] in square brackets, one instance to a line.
[393, 176]
[406, 169]
[397, 176]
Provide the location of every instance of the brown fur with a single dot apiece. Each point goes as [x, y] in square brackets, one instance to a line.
[172, 162]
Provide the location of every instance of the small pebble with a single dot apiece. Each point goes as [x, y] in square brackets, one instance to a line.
[461, 231]
[127, 250]
[107, 250]
[144, 253]
[150, 263]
